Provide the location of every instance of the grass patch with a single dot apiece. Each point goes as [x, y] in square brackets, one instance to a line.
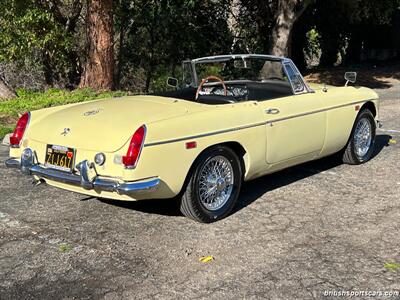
[392, 266]
[64, 248]
[4, 129]
[29, 101]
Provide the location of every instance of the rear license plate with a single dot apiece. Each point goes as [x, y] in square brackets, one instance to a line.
[60, 158]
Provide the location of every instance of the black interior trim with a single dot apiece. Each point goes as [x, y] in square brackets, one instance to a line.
[258, 91]
[216, 99]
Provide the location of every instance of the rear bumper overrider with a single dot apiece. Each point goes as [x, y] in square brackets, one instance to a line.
[28, 166]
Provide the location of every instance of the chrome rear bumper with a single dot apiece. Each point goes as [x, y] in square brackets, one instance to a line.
[29, 167]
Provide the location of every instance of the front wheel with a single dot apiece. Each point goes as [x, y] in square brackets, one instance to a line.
[362, 140]
[214, 185]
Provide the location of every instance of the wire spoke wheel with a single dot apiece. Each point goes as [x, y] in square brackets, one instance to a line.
[362, 137]
[360, 147]
[214, 185]
[216, 180]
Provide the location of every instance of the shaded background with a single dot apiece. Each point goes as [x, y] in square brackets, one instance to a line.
[136, 45]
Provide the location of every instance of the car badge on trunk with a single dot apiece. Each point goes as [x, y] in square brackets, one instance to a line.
[92, 112]
[66, 131]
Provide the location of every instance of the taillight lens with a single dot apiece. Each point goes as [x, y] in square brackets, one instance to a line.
[19, 131]
[135, 147]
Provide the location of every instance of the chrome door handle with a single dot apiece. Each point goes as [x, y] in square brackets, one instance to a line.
[272, 111]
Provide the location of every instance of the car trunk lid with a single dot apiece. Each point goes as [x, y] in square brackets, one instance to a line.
[103, 125]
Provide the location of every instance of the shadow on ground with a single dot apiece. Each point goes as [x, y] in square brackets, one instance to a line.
[376, 76]
[337, 79]
[251, 190]
[165, 207]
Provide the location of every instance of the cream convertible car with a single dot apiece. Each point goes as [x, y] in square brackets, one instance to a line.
[234, 118]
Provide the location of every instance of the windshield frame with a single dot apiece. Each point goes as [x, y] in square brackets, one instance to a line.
[286, 63]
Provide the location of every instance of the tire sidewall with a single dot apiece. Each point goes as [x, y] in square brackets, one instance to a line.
[364, 114]
[209, 215]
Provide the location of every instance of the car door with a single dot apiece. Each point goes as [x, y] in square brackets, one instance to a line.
[295, 125]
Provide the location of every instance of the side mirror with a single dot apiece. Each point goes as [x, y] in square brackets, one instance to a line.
[350, 77]
[172, 82]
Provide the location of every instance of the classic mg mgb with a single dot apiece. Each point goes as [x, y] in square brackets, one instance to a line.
[233, 118]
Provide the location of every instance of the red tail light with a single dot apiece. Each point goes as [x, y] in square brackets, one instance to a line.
[135, 147]
[19, 131]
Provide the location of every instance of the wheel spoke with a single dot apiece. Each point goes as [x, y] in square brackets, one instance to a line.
[216, 182]
[362, 137]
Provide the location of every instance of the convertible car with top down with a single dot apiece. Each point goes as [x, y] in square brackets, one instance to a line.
[231, 119]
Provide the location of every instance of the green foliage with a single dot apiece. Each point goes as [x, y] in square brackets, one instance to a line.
[313, 37]
[152, 37]
[159, 82]
[312, 47]
[37, 31]
[4, 129]
[256, 20]
[26, 27]
[158, 35]
[29, 101]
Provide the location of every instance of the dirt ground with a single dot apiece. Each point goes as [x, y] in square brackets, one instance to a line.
[296, 234]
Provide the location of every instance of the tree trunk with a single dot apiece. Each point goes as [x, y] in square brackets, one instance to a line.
[287, 14]
[233, 23]
[5, 91]
[99, 67]
[120, 56]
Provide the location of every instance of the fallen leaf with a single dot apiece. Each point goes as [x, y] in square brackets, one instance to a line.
[206, 259]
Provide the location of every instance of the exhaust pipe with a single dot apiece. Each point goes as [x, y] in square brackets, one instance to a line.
[38, 182]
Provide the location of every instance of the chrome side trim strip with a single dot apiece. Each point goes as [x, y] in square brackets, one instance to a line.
[314, 112]
[253, 125]
[204, 134]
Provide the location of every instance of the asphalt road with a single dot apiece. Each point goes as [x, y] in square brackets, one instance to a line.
[296, 234]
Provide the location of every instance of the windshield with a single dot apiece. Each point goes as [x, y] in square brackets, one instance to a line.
[241, 69]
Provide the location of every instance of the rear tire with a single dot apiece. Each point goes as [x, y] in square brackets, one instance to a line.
[214, 185]
[360, 146]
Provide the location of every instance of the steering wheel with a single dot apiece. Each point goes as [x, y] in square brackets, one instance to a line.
[206, 80]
